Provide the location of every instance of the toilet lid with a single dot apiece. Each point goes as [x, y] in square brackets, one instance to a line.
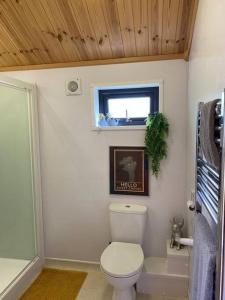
[122, 259]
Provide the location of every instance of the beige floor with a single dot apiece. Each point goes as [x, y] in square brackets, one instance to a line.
[95, 287]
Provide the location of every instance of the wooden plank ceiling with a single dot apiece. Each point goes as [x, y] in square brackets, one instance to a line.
[58, 33]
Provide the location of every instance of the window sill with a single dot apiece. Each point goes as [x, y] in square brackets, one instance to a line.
[110, 128]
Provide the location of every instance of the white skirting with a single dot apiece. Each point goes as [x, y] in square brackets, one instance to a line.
[60, 263]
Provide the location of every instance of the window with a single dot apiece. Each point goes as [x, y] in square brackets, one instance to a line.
[130, 106]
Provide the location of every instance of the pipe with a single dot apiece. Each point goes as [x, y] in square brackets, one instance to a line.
[185, 241]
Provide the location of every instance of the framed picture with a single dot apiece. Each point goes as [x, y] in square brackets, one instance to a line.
[128, 171]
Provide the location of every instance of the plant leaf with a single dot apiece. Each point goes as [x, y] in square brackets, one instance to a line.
[157, 130]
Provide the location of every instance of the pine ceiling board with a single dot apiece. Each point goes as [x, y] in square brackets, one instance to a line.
[38, 49]
[150, 28]
[165, 13]
[60, 27]
[140, 14]
[81, 17]
[13, 35]
[126, 20]
[72, 30]
[170, 17]
[184, 24]
[3, 61]
[49, 38]
[155, 10]
[54, 34]
[50, 34]
[178, 38]
[21, 30]
[190, 27]
[110, 12]
[173, 23]
[6, 45]
[98, 24]
[11, 46]
[43, 28]
[5, 58]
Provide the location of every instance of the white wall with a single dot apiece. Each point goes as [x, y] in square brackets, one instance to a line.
[206, 79]
[75, 159]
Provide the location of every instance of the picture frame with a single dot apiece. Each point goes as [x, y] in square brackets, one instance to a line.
[129, 173]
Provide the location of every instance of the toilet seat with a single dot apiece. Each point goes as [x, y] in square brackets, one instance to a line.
[122, 259]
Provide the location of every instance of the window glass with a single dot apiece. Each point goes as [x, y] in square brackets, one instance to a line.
[129, 107]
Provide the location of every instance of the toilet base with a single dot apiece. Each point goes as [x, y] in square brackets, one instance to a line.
[124, 294]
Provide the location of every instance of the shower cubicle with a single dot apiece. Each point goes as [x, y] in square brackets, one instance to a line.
[20, 197]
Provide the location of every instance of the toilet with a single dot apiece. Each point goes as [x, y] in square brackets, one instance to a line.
[122, 261]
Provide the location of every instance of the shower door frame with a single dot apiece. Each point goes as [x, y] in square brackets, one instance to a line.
[27, 275]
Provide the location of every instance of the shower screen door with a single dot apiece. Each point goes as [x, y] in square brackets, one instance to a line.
[18, 243]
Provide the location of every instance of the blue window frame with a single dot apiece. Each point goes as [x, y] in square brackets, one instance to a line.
[130, 106]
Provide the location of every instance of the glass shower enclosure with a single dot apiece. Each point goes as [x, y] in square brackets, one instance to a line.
[18, 185]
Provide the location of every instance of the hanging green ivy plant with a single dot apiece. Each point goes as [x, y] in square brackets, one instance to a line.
[157, 130]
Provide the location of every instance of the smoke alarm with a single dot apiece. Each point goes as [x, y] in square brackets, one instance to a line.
[73, 87]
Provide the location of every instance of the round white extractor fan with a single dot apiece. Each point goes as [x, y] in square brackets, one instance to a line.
[73, 87]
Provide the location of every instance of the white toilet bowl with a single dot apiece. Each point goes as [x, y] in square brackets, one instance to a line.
[122, 263]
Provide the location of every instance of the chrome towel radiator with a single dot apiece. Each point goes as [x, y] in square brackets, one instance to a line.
[209, 191]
